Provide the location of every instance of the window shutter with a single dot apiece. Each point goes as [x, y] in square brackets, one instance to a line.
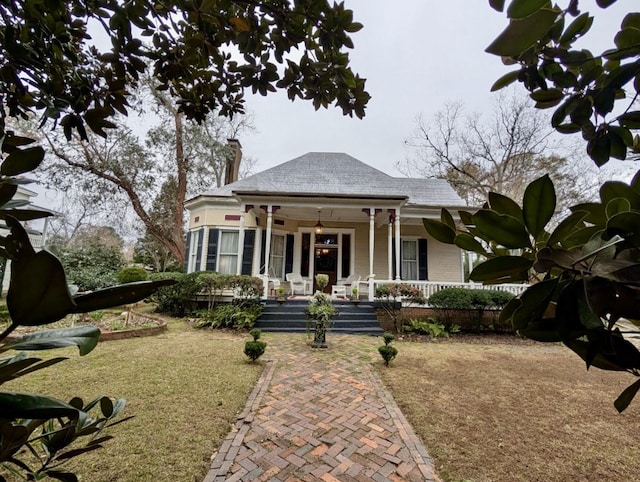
[288, 255]
[187, 245]
[212, 249]
[422, 259]
[199, 249]
[247, 251]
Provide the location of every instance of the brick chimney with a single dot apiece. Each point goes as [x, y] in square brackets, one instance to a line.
[232, 167]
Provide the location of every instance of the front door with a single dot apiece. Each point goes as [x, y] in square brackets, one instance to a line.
[326, 262]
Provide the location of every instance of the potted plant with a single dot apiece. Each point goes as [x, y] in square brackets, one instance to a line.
[320, 311]
[281, 296]
[355, 295]
[322, 280]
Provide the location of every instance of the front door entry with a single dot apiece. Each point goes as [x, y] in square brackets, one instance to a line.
[326, 262]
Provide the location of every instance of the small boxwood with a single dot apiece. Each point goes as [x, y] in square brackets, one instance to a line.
[131, 274]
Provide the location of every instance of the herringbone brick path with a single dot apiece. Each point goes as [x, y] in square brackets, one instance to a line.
[321, 415]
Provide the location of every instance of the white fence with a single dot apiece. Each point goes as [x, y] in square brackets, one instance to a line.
[430, 287]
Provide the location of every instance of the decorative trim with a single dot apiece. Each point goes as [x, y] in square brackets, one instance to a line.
[232, 217]
[279, 222]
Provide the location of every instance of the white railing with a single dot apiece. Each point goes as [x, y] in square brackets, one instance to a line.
[430, 287]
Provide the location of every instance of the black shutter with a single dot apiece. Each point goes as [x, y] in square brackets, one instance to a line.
[199, 250]
[346, 255]
[422, 259]
[288, 255]
[247, 251]
[187, 245]
[262, 249]
[212, 249]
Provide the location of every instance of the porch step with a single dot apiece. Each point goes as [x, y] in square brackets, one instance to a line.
[289, 317]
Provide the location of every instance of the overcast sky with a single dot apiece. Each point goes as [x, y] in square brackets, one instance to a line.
[416, 55]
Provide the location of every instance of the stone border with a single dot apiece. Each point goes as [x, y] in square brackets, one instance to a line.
[222, 459]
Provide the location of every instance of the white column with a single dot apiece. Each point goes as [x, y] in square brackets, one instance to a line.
[397, 221]
[390, 250]
[257, 249]
[372, 218]
[267, 248]
[240, 240]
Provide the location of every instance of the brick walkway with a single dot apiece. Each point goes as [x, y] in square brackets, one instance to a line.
[321, 415]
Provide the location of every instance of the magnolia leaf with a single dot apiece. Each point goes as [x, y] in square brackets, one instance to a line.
[28, 406]
[38, 292]
[538, 204]
[502, 269]
[523, 8]
[611, 190]
[567, 226]
[84, 337]
[21, 161]
[578, 27]
[521, 34]
[469, 243]
[625, 398]
[503, 229]
[581, 348]
[446, 218]
[26, 214]
[534, 303]
[439, 231]
[117, 295]
[593, 213]
[497, 5]
[505, 205]
[626, 225]
[6, 192]
[505, 80]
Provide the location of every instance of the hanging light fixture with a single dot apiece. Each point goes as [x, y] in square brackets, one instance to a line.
[319, 227]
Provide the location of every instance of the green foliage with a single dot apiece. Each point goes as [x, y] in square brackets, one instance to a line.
[430, 327]
[391, 297]
[92, 265]
[387, 352]
[131, 274]
[585, 88]
[322, 280]
[234, 315]
[587, 268]
[254, 349]
[320, 312]
[177, 299]
[39, 433]
[469, 299]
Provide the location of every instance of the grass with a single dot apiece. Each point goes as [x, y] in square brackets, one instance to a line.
[185, 387]
[504, 412]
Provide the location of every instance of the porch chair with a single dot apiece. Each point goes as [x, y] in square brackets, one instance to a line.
[272, 282]
[350, 282]
[296, 283]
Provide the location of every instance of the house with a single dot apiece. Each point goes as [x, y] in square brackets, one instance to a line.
[323, 212]
[36, 237]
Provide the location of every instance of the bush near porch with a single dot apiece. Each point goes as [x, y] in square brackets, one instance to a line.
[472, 310]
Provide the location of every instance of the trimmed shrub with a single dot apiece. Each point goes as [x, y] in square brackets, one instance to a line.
[255, 349]
[473, 309]
[234, 315]
[131, 274]
[387, 352]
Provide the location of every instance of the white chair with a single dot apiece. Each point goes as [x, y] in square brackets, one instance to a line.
[297, 283]
[271, 281]
[350, 282]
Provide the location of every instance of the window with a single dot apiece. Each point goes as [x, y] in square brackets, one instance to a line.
[276, 256]
[195, 251]
[409, 266]
[228, 252]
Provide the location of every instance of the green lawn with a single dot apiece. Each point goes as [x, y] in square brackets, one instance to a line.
[184, 388]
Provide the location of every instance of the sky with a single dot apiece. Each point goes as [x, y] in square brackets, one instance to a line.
[416, 55]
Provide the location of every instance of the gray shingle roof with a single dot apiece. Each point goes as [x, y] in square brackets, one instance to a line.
[338, 174]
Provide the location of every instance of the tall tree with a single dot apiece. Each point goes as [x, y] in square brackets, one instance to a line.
[501, 151]
[189, 157]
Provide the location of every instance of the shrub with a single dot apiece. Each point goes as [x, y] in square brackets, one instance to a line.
[469, 299]
[467, 307]
[387, 352]
[131, 274]
[178, 299]
[230, 315]
[390, 298]
[430, 327]
[255, 349]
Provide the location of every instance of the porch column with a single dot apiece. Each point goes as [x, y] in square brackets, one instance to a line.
[267, 248]
[397, 220]
[390, 251]
[372, 219]
[240, 241]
